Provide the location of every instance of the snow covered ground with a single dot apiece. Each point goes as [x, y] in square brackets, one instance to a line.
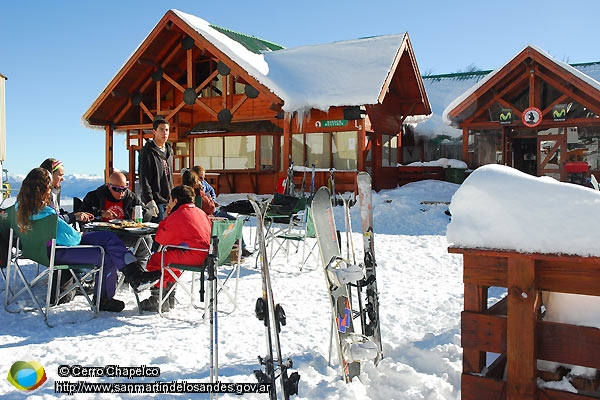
[421, 297]
[420, 293]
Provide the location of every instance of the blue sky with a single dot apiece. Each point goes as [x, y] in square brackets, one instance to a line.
[59, 55]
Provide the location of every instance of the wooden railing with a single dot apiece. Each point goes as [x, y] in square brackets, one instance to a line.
[414, 174]
[513, 327]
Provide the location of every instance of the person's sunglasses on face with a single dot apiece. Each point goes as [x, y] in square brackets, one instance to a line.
[118, 189]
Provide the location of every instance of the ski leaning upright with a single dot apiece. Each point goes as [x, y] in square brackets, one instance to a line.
[273, 317]
[371, 327]
[352, 347]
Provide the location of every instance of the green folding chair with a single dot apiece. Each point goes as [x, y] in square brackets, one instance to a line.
[229, 232]
[299, 230]
[31, 245]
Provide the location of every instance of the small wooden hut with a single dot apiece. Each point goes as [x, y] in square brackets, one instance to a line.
[535, 114]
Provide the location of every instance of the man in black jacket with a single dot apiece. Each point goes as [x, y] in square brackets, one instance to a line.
[156, 170]
[114, 200]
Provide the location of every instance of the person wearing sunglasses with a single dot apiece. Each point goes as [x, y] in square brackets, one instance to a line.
[114, 200]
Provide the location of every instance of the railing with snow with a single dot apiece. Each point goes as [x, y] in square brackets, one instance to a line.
[513, 328]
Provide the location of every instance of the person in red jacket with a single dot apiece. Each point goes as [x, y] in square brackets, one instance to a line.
[185, 225]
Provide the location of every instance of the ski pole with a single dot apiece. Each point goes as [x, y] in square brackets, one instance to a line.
[212, 312]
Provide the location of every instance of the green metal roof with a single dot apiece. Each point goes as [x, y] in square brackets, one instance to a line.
[252, 43]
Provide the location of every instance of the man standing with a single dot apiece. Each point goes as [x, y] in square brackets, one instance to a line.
[156, 170]
[114, 200]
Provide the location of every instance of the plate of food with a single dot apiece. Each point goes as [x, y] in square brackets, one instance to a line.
[152, 225]
[133, 229]
[125, 224]
[99, 224]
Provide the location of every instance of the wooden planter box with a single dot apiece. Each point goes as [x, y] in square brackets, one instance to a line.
[513, 327]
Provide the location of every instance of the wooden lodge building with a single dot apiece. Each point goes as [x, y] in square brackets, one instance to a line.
[245, 108]
[535, 114]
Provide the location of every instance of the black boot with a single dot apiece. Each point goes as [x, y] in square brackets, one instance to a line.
[151, 303]
[138, 277]
[111, 305]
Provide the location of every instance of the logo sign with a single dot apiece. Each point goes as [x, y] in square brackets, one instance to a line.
[326, 123]
[559, 112]
[27, 375]
[506, 116]
[532, 116]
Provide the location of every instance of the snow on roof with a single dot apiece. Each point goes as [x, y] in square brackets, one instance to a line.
[499, 207]
[586, 78]
[344, 73]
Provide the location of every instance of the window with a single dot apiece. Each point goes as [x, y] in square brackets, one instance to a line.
[240, 152]
[181, 158]
[326, 149]
[208, 152]
[230, 152]
[389, 157]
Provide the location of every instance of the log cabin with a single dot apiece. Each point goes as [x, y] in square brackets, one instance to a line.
[536, 114]
[246, 108]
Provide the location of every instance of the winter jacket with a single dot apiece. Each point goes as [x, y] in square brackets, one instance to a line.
[186, 226]
[209, 190]
[66, 235]
[94, 201]
[207, 203]
[156, 173]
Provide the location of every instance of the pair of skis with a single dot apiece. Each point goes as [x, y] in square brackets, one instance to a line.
[273, 317]
[353, 346]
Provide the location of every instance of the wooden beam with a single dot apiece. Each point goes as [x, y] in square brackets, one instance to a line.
[584, 102]
[239, 104]
[521, 371]
[483, 332]
[146, 111]
[175, 110]
[207, 108]
[137, 126]
[190, 67]
[124, 110]
[206, 81]
[560, 100]
[173, 82]
[569, 344]
[475, 387]
[109, 155]
[497, 96]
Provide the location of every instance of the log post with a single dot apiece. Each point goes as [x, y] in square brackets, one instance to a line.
[521, 334]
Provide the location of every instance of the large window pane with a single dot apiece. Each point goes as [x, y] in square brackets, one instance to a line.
[240, 152]
[318, 149]
[345, 151]
[266, 152]
[297, 149]
[389, 151]
[208, 152]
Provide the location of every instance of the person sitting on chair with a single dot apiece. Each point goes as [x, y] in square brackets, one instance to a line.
[196, 178]
[32, 204]
[57, 169]
[185, 225]
[114, 200]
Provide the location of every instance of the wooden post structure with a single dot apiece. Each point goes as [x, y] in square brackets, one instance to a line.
[512, 327]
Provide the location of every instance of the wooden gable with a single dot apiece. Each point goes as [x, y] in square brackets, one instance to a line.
[168, 72]
[531, 79]
[402, 95]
